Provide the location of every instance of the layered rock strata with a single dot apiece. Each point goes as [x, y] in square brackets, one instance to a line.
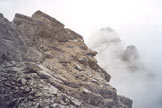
[45, 65]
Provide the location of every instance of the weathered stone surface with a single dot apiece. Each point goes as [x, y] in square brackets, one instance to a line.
[44, 65]
[13, 46]
[1, 15]
[125, 100]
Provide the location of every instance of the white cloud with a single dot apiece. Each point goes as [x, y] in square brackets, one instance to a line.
[132, 76]
[137, 21]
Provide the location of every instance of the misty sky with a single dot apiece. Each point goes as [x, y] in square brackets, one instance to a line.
[137, 22]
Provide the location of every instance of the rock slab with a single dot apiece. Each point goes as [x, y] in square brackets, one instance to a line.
[44, 65]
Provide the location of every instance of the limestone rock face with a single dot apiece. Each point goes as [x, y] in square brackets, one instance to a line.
[44, 65]
[12, 44]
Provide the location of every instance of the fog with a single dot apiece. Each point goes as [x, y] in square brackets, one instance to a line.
[136, 22]
[133, 75]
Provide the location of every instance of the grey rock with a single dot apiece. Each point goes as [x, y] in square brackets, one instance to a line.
[44, 65]
[130, 54]
[13, 46]
[1, 15]
[125, 101]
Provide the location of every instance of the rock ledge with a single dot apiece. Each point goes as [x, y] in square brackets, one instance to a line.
[44, 65]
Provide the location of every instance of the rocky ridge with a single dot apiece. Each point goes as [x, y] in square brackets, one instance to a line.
[44, 65]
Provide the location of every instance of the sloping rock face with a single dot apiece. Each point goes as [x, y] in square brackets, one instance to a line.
[44, 65]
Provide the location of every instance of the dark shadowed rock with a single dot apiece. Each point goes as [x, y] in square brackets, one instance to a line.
[1, 15]
[44, 65]
[13, 45]
[131, 57]
[125, 100]
[130, 54]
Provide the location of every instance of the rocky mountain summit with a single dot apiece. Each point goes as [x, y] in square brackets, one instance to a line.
[44, 65]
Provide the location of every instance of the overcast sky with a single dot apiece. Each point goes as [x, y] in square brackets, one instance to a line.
[137, 22]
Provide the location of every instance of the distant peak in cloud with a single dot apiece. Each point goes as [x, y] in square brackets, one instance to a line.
[103, 37]
[125, 65]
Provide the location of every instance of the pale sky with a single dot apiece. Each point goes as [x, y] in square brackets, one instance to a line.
[86, 16]
[137, 22]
